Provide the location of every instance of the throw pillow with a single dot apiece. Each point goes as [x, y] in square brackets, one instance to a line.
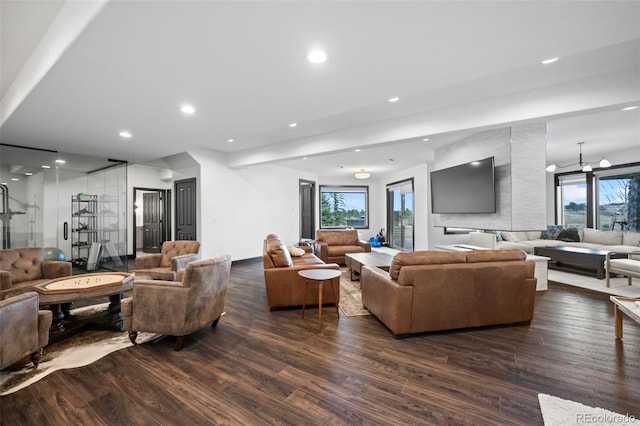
[552, 232]
[496, 233]
[569, 234]
[296, 251]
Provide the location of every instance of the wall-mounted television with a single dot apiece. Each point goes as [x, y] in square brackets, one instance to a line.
[466, 188]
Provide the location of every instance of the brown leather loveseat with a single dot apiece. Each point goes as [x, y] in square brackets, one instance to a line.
[22, 268]
[332, 245]
[285, 288]
[431, 290]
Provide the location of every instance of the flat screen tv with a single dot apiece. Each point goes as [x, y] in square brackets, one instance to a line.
[466, 188]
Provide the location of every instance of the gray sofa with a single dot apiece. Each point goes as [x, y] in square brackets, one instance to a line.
[615, 241]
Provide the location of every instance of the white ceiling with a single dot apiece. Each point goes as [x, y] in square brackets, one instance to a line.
[74, 74]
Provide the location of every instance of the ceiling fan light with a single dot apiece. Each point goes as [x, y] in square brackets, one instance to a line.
[605, 163]
[551, 168]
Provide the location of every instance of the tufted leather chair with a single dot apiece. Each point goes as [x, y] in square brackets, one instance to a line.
[178, 308]
[173, 256]
[24, 329]
[22, 268]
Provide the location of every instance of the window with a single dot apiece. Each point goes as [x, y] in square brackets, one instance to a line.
[618, 206]
[572, 206]
[344, 207]
[400, 215]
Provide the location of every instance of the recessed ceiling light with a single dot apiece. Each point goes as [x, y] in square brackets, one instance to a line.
[59, 161]
[550, 61]
[304, 158]
[317, 56]
[15, 179]
[230, 140]
[125, 134]
[396, 99]
[425, 139]
[45, 166]
[629, 108]
[357, 150]
[187, 109]
[293, 124]
[28, 174]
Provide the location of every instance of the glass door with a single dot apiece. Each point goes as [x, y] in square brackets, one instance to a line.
[400, 215]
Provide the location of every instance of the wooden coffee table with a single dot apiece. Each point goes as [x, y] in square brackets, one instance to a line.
[319, 276]
[576, 259]
[625, 306]
[59, 292]
[355, 262]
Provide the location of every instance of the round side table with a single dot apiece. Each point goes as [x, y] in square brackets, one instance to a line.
[319, 276]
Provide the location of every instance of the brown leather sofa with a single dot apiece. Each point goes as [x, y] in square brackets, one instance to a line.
[285, 288]
[332, 245]
[431, 290]
[22, 268]
[24, 329]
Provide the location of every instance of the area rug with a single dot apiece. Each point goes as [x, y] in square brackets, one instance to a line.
[79, 350]
[350, 296]
[561, 412]
[618, 286]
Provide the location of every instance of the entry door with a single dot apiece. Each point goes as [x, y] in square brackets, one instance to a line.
[307, 222]
[186, 209]
[151, 222]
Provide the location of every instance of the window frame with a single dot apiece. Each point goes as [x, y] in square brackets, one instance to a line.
[344, 189]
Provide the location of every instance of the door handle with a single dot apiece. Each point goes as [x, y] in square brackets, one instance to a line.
[65, 231]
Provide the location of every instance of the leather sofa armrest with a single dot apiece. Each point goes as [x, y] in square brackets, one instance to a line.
[389, 301]
[45, 317]
[322, 251]
[366, 245]
[180, 262]
[5, 280]
[56, 269]
[147, 261]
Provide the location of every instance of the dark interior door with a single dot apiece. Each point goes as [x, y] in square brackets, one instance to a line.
[186, 209]
[151, 223]
[307, 222]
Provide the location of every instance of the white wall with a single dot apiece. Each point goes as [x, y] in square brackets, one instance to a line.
[239, 207]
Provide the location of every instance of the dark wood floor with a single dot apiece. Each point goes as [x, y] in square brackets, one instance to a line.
[261, 367]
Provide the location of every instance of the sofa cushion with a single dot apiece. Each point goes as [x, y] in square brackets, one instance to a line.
[307, 259]
[296, 251]
[425, 257]
[569, 234]
[534, 235]
[343, 237]
[278, 252]
[608, 238]
[630, 238]
[334, 251]
[552, 232]
[514, 236]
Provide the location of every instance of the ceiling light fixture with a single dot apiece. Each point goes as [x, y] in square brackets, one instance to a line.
[187, 109]
[395, 99]
[629, 108]
[125, 134]
[229, 140]
[45, 166]
[583, 164]
[425, 139]
[28, 174]
[357, 150]
[549, 61]
[59, 161]
[362, 174]
[317, 56]
[293, 124]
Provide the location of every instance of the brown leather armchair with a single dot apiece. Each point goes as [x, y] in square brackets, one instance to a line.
[22, 268]
[173, 256]
[24, 329]
[332, 245]
[178, 308]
